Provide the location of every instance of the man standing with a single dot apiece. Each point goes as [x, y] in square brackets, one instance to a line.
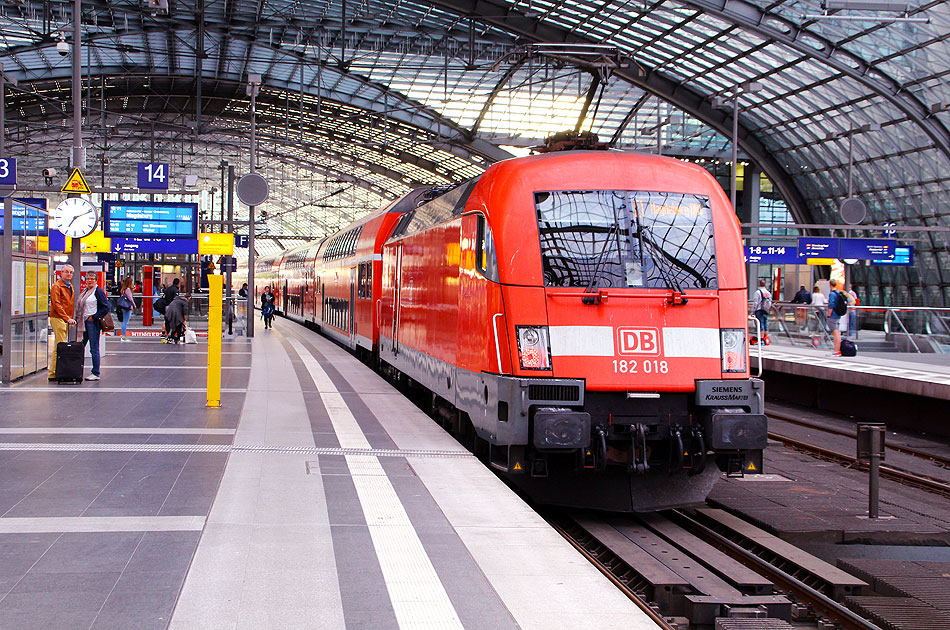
[834, 314]
[761, 305]
[802, 297]
[60, 312]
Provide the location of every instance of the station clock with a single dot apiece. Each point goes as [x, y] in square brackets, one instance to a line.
[75, 217]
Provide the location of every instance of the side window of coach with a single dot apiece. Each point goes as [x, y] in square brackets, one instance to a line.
[485, 260]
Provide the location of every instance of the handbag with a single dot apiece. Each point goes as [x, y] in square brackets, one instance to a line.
[190, 336]
[124, 303]
[106, 323]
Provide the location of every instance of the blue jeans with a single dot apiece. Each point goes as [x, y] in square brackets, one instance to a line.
[91, 335]
[126, 316]
[763, 318]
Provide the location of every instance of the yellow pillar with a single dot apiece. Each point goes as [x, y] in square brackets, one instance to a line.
[214, 341]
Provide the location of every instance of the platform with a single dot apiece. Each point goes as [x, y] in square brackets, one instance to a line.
[915, 374]
[910, 391]
[315, 497]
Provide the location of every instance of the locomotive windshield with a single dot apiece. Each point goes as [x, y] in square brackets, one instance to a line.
[622, 238]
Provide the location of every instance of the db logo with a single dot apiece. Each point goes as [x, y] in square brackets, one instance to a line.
[638, 341]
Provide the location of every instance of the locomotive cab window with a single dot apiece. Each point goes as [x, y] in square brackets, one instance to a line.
[485, 259]
[621, 238]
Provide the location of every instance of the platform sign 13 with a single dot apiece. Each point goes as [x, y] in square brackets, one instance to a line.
[153, 175]
[7, 172]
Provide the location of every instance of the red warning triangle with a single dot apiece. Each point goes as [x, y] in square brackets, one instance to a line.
[76, 184]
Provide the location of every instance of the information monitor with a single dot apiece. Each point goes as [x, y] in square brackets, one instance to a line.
[149, 219]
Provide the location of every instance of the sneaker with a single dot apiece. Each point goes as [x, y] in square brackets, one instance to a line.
[92, 377]
[836, 354]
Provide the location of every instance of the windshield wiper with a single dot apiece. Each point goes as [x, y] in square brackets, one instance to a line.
[663, 262]
[592, 285]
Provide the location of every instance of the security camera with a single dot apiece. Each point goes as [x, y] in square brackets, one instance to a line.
[49, 172]
[61, 46]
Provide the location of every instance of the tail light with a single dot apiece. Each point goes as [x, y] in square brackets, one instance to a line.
[534, 349]
[733, 349]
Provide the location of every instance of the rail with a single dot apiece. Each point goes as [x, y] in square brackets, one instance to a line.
[905, 329]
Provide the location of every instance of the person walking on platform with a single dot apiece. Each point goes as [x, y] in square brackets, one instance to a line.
[126, 304]
[837, 315]
[60, 312]
[267, 308]
[761, 305]
[92, 305]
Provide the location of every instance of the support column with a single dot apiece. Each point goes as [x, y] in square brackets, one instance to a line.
[748, 212]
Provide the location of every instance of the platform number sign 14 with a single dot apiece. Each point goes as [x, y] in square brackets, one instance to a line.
[7, 172]
[153, 176]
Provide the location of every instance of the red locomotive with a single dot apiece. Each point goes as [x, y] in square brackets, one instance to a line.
[578, 318]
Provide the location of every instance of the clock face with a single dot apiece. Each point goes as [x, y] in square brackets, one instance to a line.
[75, 217]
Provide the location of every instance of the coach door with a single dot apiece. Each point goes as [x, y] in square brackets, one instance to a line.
[397, 297]
[351, 325]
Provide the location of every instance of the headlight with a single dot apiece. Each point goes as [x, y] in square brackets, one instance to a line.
[534, 350]
[733, 349]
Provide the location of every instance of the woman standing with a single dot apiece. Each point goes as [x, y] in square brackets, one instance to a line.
[92, 306]
[267, 307]
[126, 303]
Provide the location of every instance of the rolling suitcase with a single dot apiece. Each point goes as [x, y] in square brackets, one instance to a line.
[69, 360]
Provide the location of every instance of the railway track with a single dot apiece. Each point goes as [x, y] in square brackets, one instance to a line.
[901, 475]
[687, 568]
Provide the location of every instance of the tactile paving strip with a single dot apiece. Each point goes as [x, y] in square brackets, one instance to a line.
[229, 448]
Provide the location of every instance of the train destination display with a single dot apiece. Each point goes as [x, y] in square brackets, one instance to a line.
[149, 219]
[26, 219]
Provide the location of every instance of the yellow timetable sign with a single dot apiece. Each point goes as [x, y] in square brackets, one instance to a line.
[217, 244]
[820, 261]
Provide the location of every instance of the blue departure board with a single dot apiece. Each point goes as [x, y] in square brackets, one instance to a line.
[867, 248]
[903, 257]
[154, 246]
[27, 220]
[149, 219]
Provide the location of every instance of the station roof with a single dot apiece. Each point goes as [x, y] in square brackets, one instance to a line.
[362, 100]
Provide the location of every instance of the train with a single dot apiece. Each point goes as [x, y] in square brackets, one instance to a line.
[577, 319]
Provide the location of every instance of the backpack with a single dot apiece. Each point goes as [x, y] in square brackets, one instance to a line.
[766, 304]
[848, 348]
[841, 304]
[159, 305]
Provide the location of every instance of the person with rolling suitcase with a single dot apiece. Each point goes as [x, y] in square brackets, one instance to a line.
[91, 307]
[61, 315]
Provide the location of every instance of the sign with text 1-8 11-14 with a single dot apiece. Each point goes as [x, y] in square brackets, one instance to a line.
[153, 176]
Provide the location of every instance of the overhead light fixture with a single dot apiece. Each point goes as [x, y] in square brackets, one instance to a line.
[865, 5]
